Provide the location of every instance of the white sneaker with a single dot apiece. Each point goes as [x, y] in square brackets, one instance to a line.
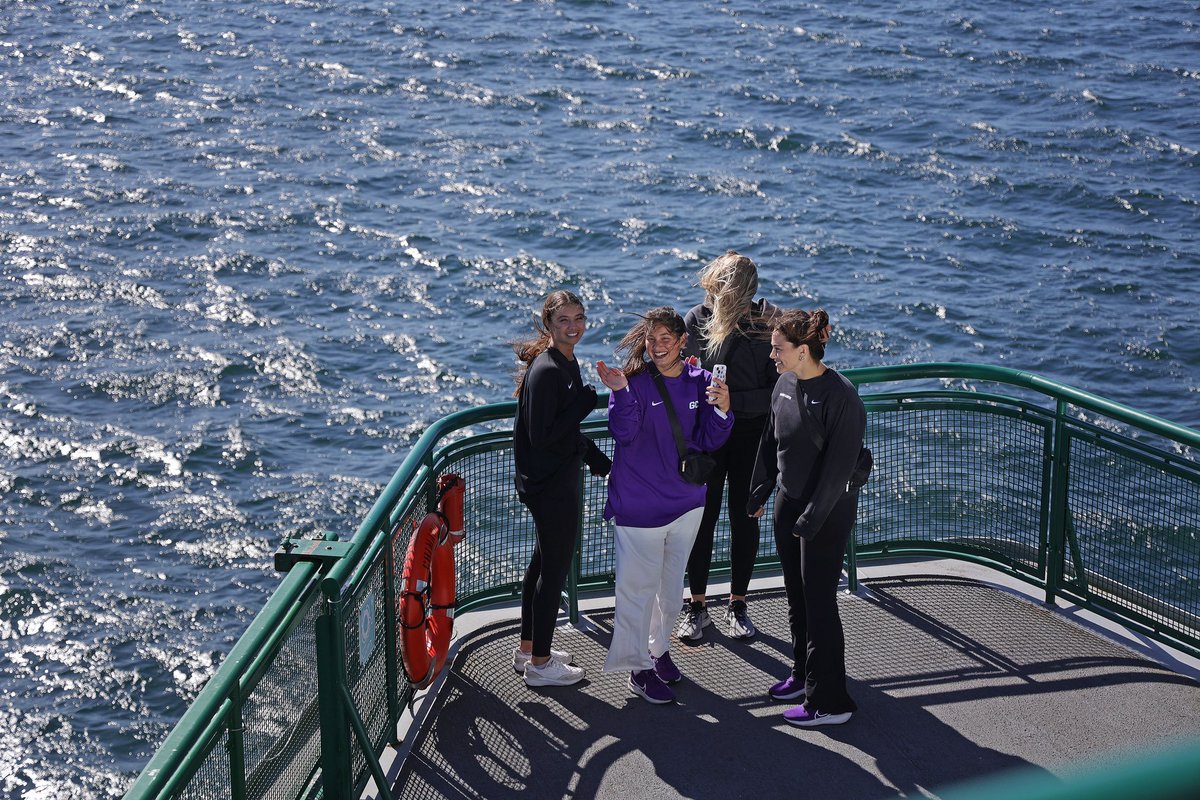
[521, 658]
[738, 620]
[552, 673]
[695, 620]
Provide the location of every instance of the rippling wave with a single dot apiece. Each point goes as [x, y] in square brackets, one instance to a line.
[251, 250]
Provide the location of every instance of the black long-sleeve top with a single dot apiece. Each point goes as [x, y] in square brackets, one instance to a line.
[546, 438]
[788, 456]
[751, 373]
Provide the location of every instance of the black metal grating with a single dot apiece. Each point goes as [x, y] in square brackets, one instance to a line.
[968, 477]
[212, 780]
[1136, 523]
[281, 718]
[364, 632]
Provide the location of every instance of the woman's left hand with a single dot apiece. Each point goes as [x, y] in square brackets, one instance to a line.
[611, 377]
[717, 394]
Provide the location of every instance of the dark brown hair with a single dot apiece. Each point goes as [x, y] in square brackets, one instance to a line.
[529, 349]
[634, 342]
[805, 327]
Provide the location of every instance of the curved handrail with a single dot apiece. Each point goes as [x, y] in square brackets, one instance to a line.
[421, 453]
[423, 450]
[1027, 380]
[174, 759]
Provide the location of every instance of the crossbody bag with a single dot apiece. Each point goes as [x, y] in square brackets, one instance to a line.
[694, 465]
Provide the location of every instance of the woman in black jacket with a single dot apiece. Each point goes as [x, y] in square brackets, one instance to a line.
[548, 449]
[730, 327]
[809, 450]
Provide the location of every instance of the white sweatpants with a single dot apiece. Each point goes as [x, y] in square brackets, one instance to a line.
[650, 567]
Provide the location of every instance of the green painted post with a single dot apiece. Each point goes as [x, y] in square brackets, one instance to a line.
[576, 564]
[852, 562]
[237, 748]
[392, 666]
[335, 751]
[1059, 468]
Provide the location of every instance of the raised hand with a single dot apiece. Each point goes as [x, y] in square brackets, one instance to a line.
[611, 377]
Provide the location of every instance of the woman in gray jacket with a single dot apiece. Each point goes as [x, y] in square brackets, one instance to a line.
[808, 452]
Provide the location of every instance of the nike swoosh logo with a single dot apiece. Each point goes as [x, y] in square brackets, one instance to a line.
[783, 394]
[659, 403]
[814, 403]
[570, 385]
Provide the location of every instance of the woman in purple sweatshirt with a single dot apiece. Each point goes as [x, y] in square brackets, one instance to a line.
[655, 511]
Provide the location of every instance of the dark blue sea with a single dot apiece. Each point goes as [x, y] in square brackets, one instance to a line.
[249, 250]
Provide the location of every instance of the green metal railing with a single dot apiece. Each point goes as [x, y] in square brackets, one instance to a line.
[1087, 499]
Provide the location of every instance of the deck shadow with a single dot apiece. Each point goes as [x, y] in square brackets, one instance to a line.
[955, 680]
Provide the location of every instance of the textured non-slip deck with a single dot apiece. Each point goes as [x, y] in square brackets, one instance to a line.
[955, 679]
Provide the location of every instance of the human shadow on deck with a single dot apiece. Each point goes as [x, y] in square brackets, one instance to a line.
[491, 736]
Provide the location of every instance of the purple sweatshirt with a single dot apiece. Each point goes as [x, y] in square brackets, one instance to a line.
[645, 489]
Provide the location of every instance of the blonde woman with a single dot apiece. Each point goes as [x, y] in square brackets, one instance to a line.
[730, 327]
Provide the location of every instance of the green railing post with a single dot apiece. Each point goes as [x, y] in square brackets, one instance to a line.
[391, 646]
[237, 748]
[852, 562]
[576, 564]
[335, 750]
[1056, 536]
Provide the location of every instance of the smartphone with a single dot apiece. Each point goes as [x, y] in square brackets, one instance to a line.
[718, 371]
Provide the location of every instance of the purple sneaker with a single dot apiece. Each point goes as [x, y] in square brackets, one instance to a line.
[809, 717]
[647, 685]
[790, 689]
[666, 669]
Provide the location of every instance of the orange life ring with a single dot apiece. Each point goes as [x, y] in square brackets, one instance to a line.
[427, 594]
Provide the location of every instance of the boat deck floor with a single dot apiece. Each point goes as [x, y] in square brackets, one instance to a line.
[955, 679]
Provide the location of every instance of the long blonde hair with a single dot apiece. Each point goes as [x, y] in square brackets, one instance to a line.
[729, 282]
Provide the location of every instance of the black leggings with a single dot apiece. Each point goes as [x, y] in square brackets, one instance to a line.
[735, 462]
[555, 512]
[811, 570]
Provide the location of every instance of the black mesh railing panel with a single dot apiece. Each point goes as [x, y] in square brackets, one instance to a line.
[281, 717]
[1136, 525]
[212, 780]
[499, 532]
[364, 630]
[965, 476]
[597, 559]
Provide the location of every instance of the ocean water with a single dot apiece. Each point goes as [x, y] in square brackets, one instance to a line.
[249, 250]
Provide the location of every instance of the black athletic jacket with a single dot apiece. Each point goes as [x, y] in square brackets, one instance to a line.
[751, 372]
[546, 437]
[787, 454]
